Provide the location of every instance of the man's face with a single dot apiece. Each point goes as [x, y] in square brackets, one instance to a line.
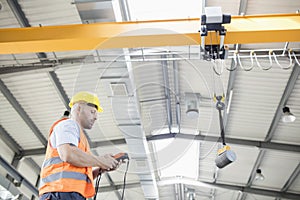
[87, 115]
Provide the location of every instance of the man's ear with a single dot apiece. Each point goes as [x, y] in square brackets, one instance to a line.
[79, 108]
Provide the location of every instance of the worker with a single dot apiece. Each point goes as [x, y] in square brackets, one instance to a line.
[67, 171]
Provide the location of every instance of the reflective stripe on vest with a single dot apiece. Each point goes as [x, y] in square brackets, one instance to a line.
[51, 161]
[64, 174]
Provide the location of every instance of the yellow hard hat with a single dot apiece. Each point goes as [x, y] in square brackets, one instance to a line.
[87, 97]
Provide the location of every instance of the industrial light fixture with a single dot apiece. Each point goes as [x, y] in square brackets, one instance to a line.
[259, 176]
[287, 115]
[192, 110]
[190, 193]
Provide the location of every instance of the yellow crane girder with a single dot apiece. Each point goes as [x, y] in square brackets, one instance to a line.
[241, 30]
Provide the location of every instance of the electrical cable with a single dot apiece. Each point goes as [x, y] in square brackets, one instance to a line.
[233, 60]
[215, 64]
[124, 182]
[290, 57]
[258, 64]
[252, 63]
[209, 151]
[97, 184]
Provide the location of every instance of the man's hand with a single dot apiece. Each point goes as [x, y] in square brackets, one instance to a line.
[108, 162]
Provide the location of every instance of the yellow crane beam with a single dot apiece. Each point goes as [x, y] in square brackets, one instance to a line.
[242, 30]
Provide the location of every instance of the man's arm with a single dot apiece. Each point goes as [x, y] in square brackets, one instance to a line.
[77, 157]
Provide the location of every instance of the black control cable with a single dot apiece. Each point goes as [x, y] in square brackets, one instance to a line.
[97, 184]
[99, 178]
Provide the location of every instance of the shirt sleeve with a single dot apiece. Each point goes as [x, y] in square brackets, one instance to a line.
[66, 132]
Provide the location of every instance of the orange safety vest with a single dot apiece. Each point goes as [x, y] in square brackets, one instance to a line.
[59, 176]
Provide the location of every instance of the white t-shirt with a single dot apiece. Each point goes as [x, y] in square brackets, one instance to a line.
[65, 132]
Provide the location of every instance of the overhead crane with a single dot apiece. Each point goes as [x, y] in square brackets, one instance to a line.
[181, 32]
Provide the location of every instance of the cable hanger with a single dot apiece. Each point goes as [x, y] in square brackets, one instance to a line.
[258, 64]
[291, 60]
[237, 61]
[223, 62]
[252, 63]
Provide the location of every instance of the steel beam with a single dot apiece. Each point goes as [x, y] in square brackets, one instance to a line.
[292, 178]
[9, 141]
[12, 100]
[255, 167]
[119, 186]
[124, 8]
[34, 152]
[33, 165]
[177, 93]
[167, 93]
[60, 89]
[18, 12]
[23, 21]
[243, 7]
[16, 175]
[10, 187]
[107, 143]
[88, 1]
[36, 185]
[259, 158]
[242, 29]
[93, 145]
[24, 68]
[259, 144]
[112, 184]
[15, 162]
[257, 191]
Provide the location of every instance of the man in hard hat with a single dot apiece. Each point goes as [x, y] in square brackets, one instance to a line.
[67, 169]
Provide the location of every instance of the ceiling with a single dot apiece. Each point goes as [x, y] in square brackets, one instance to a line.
[145, 93]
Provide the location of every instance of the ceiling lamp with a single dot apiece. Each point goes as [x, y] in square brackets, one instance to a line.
[192, 107]
[287, 115]
[259, 176]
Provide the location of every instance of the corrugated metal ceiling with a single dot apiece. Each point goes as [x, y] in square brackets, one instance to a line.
[256, 96]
